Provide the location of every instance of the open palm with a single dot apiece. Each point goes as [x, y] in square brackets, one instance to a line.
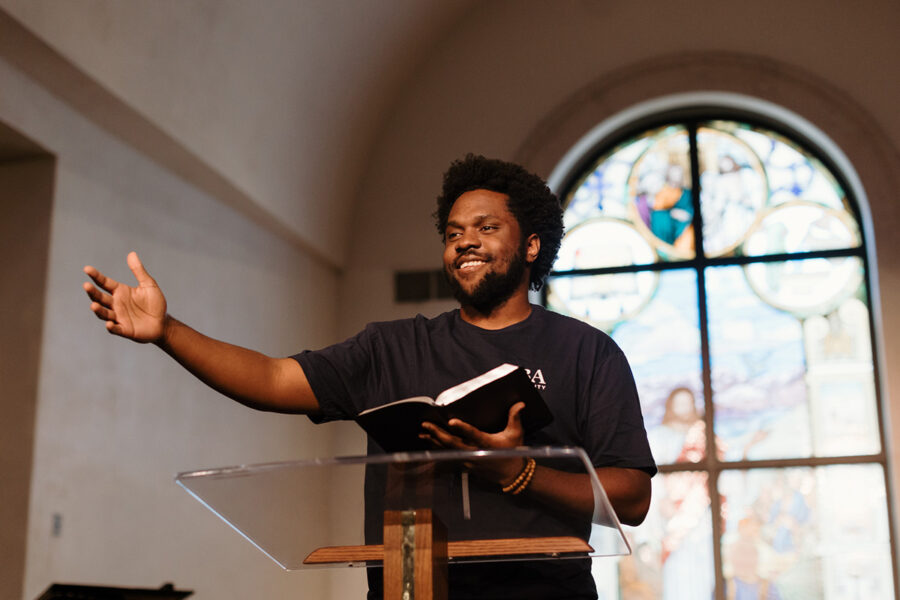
[137, 313]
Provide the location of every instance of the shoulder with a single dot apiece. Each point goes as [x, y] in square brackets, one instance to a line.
[569, 325]
[573, 337]
[409, 326]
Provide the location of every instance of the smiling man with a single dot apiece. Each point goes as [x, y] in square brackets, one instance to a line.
[486, 257]
[501, 228]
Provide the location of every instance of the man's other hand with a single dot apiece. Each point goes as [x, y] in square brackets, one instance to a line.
[137, 313]
[462, 436]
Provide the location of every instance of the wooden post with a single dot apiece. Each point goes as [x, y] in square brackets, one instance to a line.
[415, 556]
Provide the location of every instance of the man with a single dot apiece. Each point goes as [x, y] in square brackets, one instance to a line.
[501, 228]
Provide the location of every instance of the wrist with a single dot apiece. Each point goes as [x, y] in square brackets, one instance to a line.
[522, 480]
[168, 325]
[512, 470]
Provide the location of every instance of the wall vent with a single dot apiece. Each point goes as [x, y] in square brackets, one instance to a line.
[419, 286]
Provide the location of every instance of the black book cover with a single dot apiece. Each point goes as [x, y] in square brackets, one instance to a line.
[483, 402]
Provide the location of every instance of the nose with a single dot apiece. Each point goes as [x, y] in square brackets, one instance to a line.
[467, 240]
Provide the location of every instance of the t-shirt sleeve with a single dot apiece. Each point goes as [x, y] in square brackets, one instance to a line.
[615, 427]
[340, 376]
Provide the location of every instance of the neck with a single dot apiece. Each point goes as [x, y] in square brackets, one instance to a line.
[514, 310]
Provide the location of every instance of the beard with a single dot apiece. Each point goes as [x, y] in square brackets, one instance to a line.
[495, 287]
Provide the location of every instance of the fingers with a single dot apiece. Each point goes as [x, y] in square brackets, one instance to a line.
[112, 325]
[473, 437]
[96, 295]
[108, 315]
[444, 439]
[103, 313]
[137, 267]
[116, 329]
[109, 284]
[101, 304]
[465, 429]
[468, 437]
[100, 279]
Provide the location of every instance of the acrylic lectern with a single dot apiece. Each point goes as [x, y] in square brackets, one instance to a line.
[410, 513]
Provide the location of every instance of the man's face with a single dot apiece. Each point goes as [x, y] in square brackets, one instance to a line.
[485, 256]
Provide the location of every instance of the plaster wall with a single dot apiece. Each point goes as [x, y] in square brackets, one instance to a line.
[116, 421]
[25, 204]
[282, 98]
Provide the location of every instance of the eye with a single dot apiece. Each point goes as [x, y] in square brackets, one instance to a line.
[488, 227]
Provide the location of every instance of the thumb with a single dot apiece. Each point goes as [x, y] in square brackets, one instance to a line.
[515, 416]
[137, 267]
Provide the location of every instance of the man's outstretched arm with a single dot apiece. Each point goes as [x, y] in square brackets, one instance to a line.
[254, 379]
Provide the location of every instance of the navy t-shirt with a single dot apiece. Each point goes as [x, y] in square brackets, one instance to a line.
[580, 372]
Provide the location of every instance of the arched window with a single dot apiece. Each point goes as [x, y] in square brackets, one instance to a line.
[724, 254]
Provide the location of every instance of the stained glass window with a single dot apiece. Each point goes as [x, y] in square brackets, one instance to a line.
[727, 260]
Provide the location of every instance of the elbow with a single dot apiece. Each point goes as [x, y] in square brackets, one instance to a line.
[634, 515]
[628, 491]
[634, 511]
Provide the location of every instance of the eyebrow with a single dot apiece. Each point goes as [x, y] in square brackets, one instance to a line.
[479, 219]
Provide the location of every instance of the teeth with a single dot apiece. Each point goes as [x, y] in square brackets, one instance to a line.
[471, 263]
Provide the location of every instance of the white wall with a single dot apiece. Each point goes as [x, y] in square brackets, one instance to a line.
[115, 421]
[282, 98]
[25, 205]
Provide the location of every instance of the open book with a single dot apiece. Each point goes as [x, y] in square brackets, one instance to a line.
[482, 402]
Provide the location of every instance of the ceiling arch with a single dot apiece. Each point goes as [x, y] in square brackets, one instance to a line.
[272, 108]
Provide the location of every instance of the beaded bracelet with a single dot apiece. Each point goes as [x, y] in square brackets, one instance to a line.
[522, 480]
[528, 476]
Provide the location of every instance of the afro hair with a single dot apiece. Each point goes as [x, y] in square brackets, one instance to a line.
[531, 202]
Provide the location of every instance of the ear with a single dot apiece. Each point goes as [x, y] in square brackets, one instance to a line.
[532, 248]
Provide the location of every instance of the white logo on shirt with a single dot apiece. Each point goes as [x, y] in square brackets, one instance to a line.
[537, 379]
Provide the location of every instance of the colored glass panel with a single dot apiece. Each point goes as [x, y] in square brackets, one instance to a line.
[603, 242]
[644, 183]
[801, 226]
[733, 190]
[662, 343]
[805, 208]
[806, 532]
[756, 359]
[672, 551]
[760, 194]
[806, 287]
[602, 300]
[790, 352]
[789, 382]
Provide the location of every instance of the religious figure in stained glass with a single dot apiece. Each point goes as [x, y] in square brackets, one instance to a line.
[660, 189]
[669, 263]
[681, 436]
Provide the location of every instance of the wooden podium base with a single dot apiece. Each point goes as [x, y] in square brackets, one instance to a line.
[415, 553]
[415, 556]
[546, 546]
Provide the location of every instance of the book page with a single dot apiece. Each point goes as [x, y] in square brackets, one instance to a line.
[422, 399]
[458, 391]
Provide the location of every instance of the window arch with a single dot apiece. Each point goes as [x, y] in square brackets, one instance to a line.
[723, 251]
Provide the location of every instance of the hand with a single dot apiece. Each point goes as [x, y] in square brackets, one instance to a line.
[462, 436]
[137, 313]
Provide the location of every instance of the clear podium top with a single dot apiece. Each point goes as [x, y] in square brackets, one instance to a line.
[330, 512]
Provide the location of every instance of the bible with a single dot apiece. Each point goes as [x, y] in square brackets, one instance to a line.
[482, 402]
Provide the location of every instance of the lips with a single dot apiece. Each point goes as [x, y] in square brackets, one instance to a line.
[469, 262]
